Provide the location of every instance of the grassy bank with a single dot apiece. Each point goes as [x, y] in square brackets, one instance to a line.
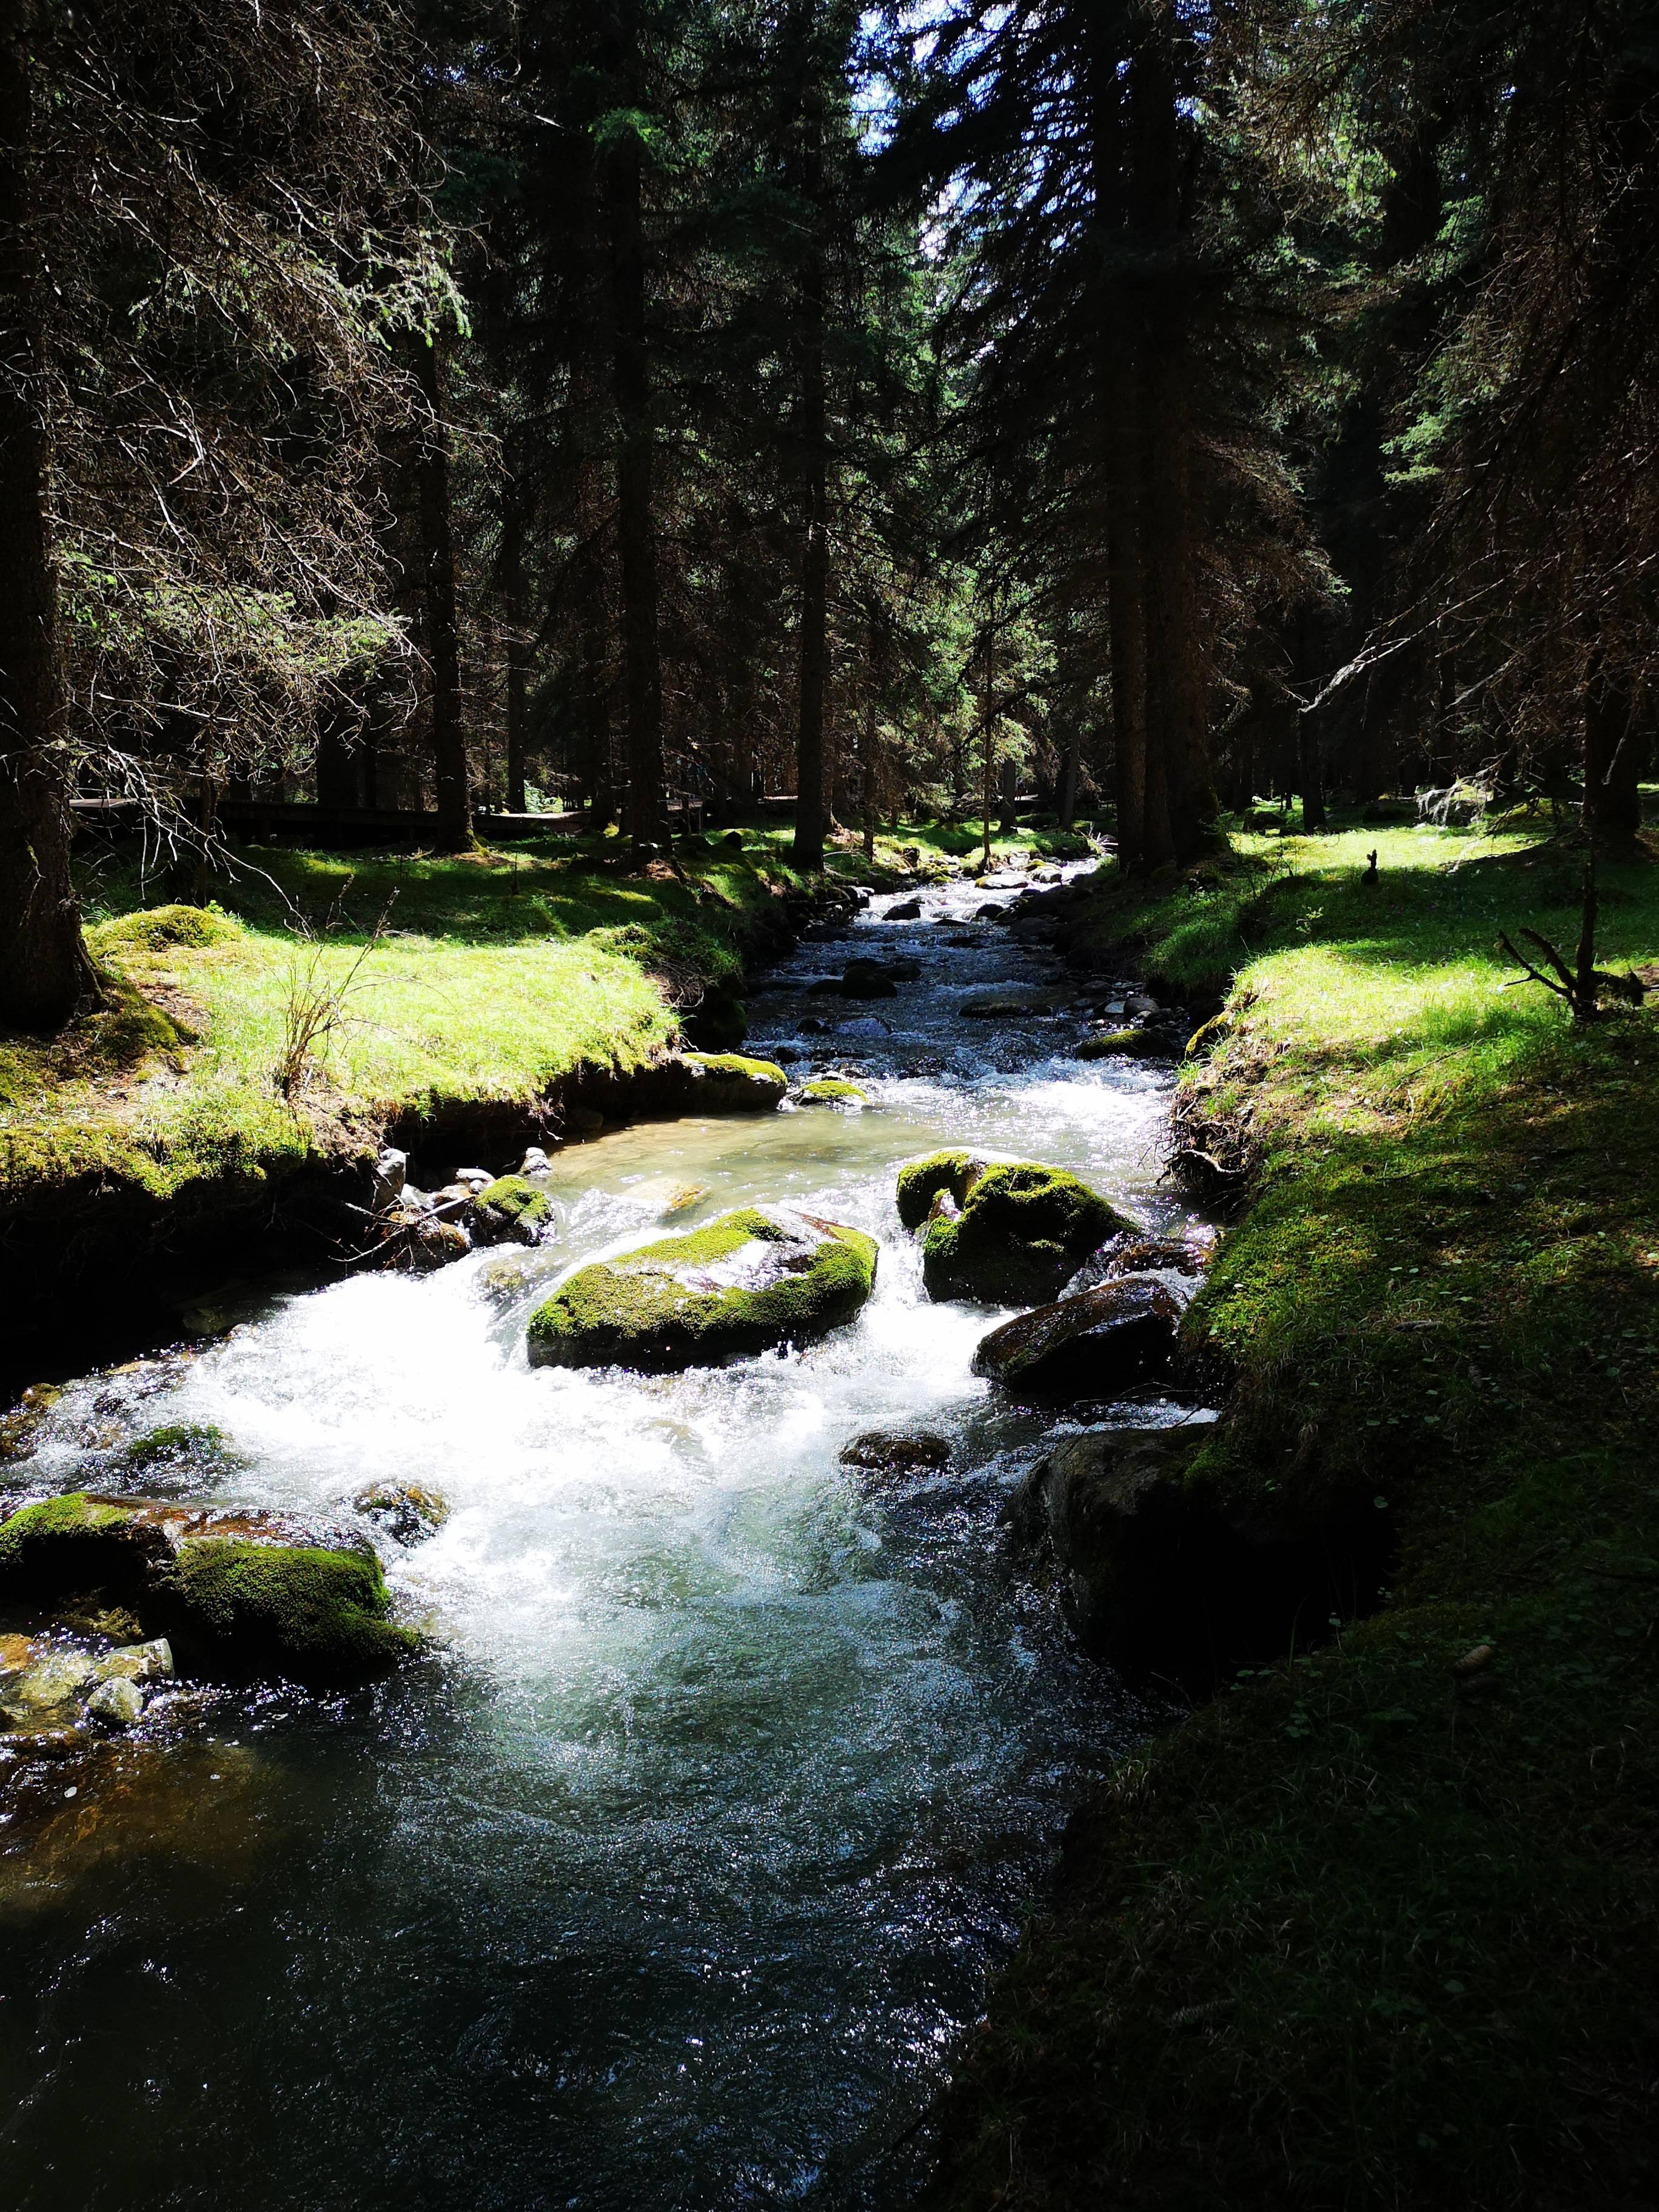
[1377, 1927]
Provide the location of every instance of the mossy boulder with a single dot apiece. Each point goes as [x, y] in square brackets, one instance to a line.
[732, 1082]
[159, 928]
[1101, 1342]
[407, 1511]
[511, 1209]
[1008, 1232]
[1120, 1044]
[238, 1595]
[301, 1613]
[748, 1282]
[830, 1091]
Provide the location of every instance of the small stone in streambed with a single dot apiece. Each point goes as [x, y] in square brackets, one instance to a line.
[906, 910]
[831, 1091]
[407, 1511]
[1092, 1345]
[1132, 1253]
[117, 1703]
[138, 1663]
[867, 979]
[512, 1207]
[897, 1451]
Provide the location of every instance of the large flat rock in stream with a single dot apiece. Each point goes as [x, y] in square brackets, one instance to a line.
[744, 1285]
[1092, 1345]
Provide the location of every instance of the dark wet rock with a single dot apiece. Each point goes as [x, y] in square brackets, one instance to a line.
[1005, 1007]
[117, 1703]
[238, 1595]
[1094, 1344]
[512, 1209]
[1121, 1044]
[906, 910]
[405, 1512]
[1157, 1576]
[388, 1178]
[867, 979]
[897, 1451]
[1008, 1233]
[19, 1428]
[1133, 1253]
[741, 1285]
[991, 911]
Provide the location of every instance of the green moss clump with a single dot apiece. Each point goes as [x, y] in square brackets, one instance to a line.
[1023, 1230]
[302, 1612]
[920, 1183]
[664, 1307]
[158, 927]
[1126, 1044]
[67, 1545]
[731, 1082]
[193, 1441]
[512, 1206]
[831, 1091]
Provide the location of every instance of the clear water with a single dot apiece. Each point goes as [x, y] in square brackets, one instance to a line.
[670, 1880]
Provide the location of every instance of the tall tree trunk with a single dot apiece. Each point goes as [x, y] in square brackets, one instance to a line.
[449, 765]
[1068, 776]
[1166, 551]
[874, 670]
[1312, 772]
[337, 761]
[1008, 822]
[631, 386]
[808, 848]
[45, 972]
[1613, 799]
[1117, 403]
[517, 610]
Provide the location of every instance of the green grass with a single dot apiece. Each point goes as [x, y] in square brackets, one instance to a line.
[481, 978]
[1364, 1932]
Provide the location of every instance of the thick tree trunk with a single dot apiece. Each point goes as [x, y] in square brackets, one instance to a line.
[808, 848]
[1612, 759]
[337, 761]
[1008, 822]
[449, 764]
[1068, 777]
[1312, 773]
[1116, 398]
[874, 671]
[631, 386]
[517, 648]
[45, 972]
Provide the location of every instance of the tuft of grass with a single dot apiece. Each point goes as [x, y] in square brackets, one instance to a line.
[1378, 1927]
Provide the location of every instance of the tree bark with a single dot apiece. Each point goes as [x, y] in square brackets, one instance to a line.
[449, 764]
[1612, 755]
[518, 648]
[623, 176]
[1312, 773]
[45, 972]
[808, 848]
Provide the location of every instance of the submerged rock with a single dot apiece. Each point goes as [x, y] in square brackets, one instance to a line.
[1092, 1345]
[748, 1282]
[511, 1208]
[1020, 1230]
[906, 910]
[407, 1511]
[867, 979]
[117, 1703]
[236, 1596]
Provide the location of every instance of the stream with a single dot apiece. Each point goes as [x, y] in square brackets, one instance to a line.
[670, 1879]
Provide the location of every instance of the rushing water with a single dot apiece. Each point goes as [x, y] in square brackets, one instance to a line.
[670, 1879]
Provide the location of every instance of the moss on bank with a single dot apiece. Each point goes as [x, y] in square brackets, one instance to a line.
[1377, 1927]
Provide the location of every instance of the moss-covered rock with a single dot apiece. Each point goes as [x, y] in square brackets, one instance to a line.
[238, 1595]
[407, 1511]
[1120, 1044]
[920, 1181]
[511, 1208]
[301, 1613]
[1010, 1232]
[732, 1082]
[741, 1285]
[830, 1091]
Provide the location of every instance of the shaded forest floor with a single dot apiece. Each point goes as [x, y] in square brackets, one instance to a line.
[1376, 1928]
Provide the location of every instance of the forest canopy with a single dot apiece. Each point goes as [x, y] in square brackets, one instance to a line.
[1129, 407]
